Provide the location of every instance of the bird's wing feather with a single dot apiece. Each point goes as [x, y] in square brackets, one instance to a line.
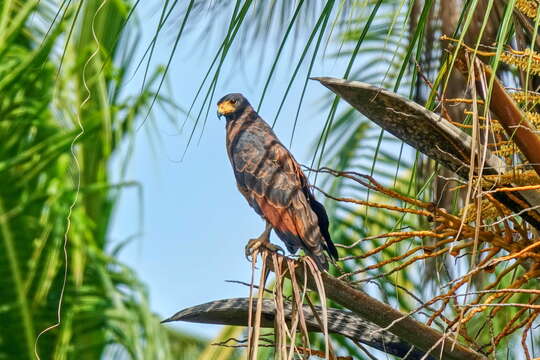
[275, 186]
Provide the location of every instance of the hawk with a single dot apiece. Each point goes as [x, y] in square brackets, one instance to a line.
[274, 184]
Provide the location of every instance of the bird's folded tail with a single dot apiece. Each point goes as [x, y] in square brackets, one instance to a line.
[324, 223]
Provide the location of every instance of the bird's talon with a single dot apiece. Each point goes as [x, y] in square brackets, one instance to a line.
[255, 244]
[252, 245]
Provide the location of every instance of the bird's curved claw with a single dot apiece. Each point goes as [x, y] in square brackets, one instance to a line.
[254, 244]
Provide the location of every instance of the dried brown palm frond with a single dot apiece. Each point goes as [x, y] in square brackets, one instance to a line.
[494, 239]
[287, 342]
[501, 253]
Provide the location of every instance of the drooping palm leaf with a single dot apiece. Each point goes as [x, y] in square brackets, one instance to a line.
[63, 115]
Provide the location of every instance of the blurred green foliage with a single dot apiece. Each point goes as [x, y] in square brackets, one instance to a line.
[63, 115]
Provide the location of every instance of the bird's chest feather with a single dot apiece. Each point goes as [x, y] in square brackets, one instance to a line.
[248, 151]
[249, 147]
[259, 164]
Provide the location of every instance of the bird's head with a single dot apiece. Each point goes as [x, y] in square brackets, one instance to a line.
[232, 105]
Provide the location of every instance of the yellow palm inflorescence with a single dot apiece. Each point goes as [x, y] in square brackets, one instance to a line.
[527, 7]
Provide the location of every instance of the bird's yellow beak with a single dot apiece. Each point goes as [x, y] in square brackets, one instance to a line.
[225, 108]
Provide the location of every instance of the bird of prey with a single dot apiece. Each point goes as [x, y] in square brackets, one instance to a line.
[273, 184]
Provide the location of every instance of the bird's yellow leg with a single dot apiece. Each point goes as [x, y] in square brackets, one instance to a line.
[262, 241]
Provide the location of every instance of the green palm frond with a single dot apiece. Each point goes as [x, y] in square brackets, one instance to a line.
[63, 115]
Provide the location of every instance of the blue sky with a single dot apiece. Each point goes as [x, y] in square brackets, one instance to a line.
[196, 223]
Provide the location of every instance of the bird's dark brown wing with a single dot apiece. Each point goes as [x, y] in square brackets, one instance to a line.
[275, 186]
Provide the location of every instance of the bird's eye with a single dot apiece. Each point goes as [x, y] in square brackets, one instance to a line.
[234, 101]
